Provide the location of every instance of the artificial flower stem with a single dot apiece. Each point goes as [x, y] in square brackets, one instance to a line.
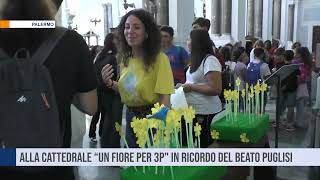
[191, 135]
[187, 132]
[172, 175]
[176, 138]
[152, 138]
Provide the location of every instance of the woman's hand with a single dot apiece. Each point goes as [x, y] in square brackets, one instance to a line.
[178, 85]
[107, 74]
[187, 88]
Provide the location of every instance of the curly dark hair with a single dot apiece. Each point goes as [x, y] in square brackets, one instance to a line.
[151, 45]
[201, 46]
[28, 9]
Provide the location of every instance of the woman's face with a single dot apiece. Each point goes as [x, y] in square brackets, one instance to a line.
[134, 32]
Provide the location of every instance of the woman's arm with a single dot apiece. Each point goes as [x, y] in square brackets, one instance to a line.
[165, 100]
[213, 88]
[86, 102]
[107, 74]
[113, 84]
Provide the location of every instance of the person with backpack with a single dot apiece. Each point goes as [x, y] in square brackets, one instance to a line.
[46, 69]
[288, 91]
[258, 70]
[177, 55]
[203, 84]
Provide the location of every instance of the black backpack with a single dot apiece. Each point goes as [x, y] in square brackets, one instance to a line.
[29, 115]
[227, 78]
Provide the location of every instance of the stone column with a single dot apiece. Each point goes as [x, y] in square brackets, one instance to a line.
[250, 27]
[276, 19]
[290, 22]
[216, 17]
[258, 11]
[107, 14]
[181, 18]
[238, 32]
[267, 20]
[226, 17]
[162, 12]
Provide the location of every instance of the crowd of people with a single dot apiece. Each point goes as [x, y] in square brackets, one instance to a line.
[140, 65]
[251, 64]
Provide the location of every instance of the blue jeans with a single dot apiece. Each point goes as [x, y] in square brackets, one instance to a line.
[130, 137]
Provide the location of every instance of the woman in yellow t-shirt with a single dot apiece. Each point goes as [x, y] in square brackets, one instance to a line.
[145, 72]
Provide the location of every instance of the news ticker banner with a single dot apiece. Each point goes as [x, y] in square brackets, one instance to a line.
[160, 157]
[5, 24]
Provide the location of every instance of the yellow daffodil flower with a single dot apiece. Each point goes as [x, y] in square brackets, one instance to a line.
[161, 125]
[119, 129]
[215, 135]
[257, 88]
[263, 87]
[145, 123]
[142, 139]
[243, 93]
[189, 114]
[156, 108]
[197, 130]
[175, 118]
[244, 138]
[235, 95]
[238, 82]
[136, 125]
[228, 95]
[153, 123]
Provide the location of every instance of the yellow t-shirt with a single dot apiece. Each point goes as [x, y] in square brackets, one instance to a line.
[138, 87]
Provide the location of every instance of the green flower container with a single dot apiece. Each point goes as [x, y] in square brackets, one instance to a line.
[255, 127]
[180, 173]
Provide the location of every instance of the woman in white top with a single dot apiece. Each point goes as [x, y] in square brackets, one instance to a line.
[203, 83]
[257, 44]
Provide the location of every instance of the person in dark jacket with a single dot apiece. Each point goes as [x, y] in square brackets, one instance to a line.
[69, 66]
[289, 92]
[109, 101]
